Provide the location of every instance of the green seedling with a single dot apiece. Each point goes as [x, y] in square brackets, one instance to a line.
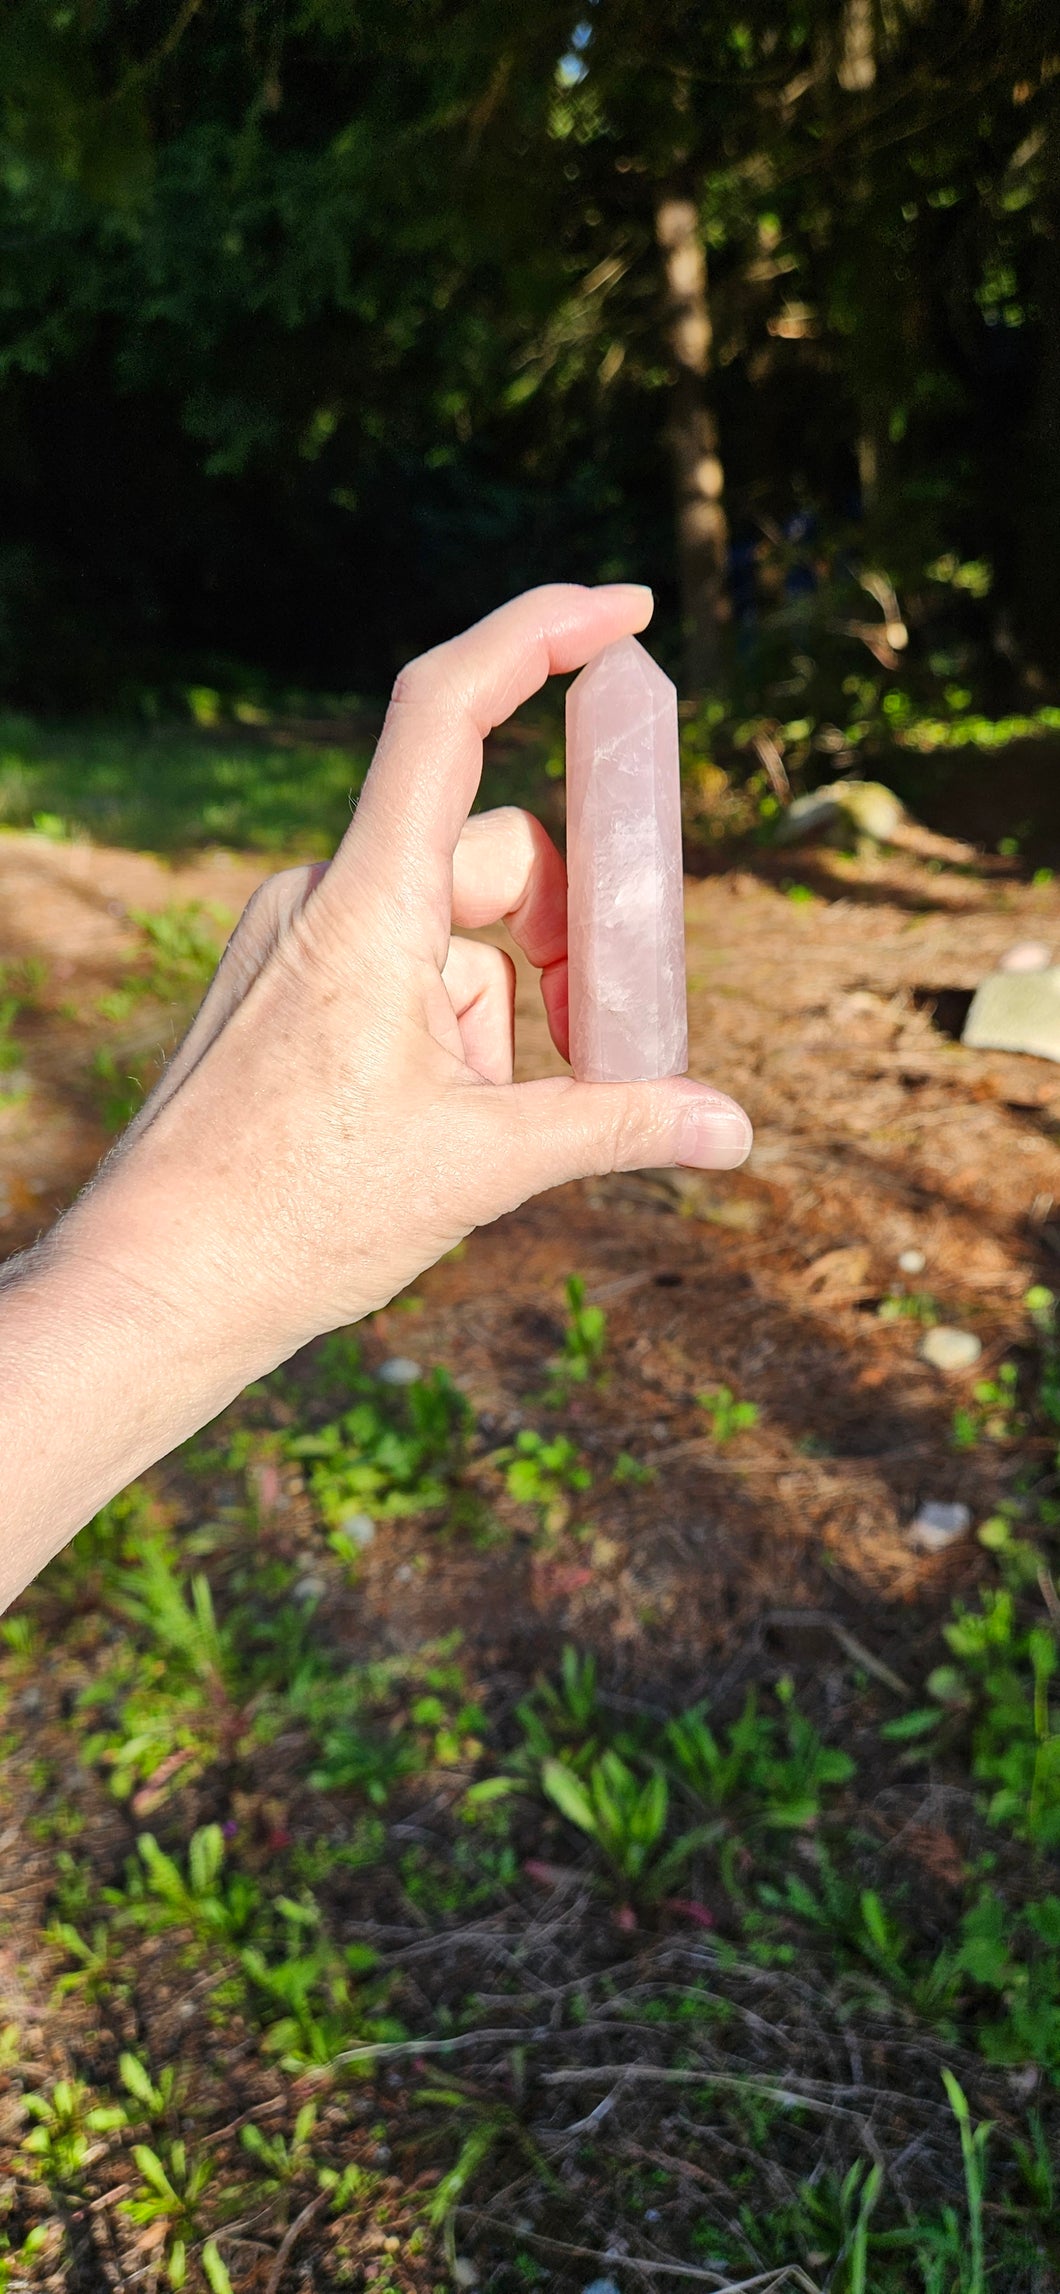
[992, 1414]
[322, 2012]
[96, 1975]
[16, 2263]
[397, 1451]
[1003, 1678]
[21, 1634]
[727, 1416]
[632, 1471]
[213, 1909]
[171, 2191]
[359, 1749]
[774, 1772]
[1015, 1960]
[65, 2138]
[858, 2199]
[625, 1814]
[180, 956]
[344, 2187]
[973, 2152]
[546, 1474]
[183, 946]
[1041, 1306]
[584, 1342]
[282, 2162]
[174, 1702]
[909, 1306]
[154, 2098]
[562, 1716]
[120, 1087]
[10, 1051]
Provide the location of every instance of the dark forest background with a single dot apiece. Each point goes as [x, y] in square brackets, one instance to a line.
[324, 327]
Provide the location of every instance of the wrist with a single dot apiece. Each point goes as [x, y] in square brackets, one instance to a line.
[107, 1362]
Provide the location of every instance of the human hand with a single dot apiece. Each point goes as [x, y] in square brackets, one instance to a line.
[342, 1110]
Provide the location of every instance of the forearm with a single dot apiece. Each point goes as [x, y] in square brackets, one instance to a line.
[100, 1375]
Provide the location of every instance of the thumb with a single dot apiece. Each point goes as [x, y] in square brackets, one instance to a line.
[558, 1129]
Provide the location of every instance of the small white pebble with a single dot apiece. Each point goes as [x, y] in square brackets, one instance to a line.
[912, 1262]
[463, 2271]
[1026, 956]
[949, 1349]
[938, 1525]
[399, 1371]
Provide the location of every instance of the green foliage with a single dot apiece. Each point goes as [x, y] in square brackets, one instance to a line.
[1015, 1960]
[10, 1049]
[546, 1473]
[340, 1808]
[562, 1717]
[65, 2135]
[623, 1813]
[909, 1306]
[584, 1343]
[397, 1451]
[155, 2100]
[727, 1416]
[198, 1899]
[993, 1414]
[180, 957]
[280, 2162]
[120, 1086]
[776, 1770]
[1003, 1675]
[171, 2191]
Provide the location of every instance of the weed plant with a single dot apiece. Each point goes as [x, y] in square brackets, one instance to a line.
[363, 1951]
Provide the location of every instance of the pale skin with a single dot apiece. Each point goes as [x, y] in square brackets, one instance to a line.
[341, 1111]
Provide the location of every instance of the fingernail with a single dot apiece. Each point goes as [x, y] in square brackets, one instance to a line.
[713, 1136]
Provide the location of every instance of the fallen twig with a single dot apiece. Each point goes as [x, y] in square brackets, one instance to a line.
[301, 2222]
[764, 2281]
[821, 1621]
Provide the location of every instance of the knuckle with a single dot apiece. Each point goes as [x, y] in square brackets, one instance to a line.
[627, 1137]
[411, 682]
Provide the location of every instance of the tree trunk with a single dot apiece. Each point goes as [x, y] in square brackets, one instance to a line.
[692, 437]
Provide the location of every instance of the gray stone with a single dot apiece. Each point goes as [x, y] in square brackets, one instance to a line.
[463, 2271]
[938, 1525]
[399, 1371]
[846, 809]
[309, 1589]
[1016, 1011]
[949, 1349]
[358, 1527]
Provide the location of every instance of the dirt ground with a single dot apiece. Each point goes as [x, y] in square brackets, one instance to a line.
[831, 1018]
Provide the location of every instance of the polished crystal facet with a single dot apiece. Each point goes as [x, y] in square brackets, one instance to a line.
[625, 933]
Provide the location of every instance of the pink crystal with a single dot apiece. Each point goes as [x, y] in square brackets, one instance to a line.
[625, 911]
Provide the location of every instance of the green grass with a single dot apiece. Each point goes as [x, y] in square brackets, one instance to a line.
[173, 787]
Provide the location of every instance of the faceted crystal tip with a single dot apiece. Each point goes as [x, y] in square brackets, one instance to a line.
[624, 867]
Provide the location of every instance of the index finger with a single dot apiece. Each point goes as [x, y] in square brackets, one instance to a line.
[427, 766]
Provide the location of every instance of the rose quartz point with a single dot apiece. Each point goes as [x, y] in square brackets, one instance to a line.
[625, 910]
